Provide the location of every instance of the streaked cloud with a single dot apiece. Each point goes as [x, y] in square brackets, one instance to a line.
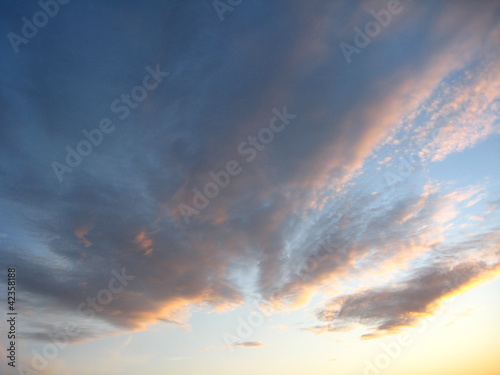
[390, 308]
[249, 344]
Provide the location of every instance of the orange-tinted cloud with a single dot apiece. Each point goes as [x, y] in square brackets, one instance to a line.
[387, 309]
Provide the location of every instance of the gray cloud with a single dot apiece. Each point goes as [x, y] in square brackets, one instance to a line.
[249, 344]
[387, 309]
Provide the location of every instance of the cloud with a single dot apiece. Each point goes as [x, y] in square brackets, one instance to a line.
[388, 309]
[248, 344]
[364, 236]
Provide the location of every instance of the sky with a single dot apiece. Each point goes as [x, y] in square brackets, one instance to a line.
[250, 187]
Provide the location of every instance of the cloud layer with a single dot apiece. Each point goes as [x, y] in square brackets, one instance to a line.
[319, 181]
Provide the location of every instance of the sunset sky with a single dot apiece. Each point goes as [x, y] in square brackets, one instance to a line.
[251, 186]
